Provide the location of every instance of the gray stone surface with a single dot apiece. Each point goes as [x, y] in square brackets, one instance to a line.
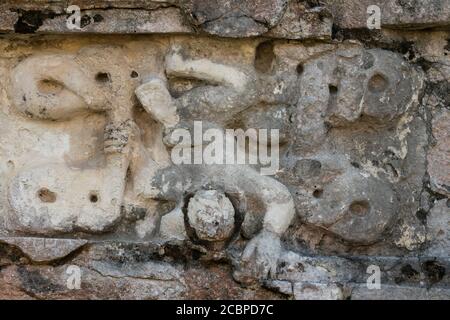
[438, 232]
[400, 293]
[94, 203]
[439, 154]
[45, 250]
[225, 18]
[312, 291]
[408, 14]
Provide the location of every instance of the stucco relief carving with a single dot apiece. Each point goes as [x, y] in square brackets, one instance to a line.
[54, 197]
[348, 157]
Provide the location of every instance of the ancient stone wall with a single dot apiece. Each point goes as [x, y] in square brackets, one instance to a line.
[114, 121]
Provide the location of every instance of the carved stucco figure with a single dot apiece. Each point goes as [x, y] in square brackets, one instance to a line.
[351, 146]
[336, 106]
[229, 90]
[44, 198]
[53, 197]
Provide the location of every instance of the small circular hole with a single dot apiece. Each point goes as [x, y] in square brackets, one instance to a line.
[299, 68]
[378, 83]
[317, 193]
[359, 208]
[46, 195]
[333, 89]
[134, 74]
[93, 197]
[102, 77]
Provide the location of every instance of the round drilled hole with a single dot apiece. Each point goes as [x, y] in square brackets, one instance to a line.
[317, 193]
[333, 89]
[45, 195]
[359, 208]
[102, 77]
[134, 74]
[378, 83]
[299, 69]
[93, 197]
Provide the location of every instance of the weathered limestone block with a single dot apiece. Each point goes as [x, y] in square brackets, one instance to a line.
[411, 14]
[237, 18]
[227, 18]
[400, 293]
[45, 250]
[161, 20]
[47, 282]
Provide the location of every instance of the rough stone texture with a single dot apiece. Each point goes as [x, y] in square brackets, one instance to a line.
[438, 231]
[94, 205]
[211, 215]
[45, 250]
[226, 18]
[439, 154]
[7, 20]
[400, 293]
[311, 291]
[410, 14]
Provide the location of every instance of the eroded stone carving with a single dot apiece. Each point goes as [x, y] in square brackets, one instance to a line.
[54, 197]
[352, 158]
[211, 215]
[349, 102]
